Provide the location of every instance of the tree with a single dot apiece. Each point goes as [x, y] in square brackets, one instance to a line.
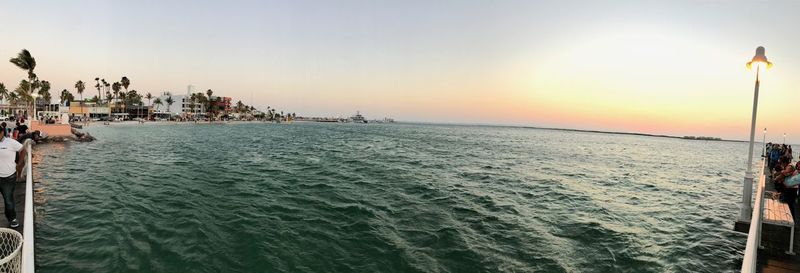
[46, 97]
[157, 101]
[148, 97]
[192, 99]
[239, 106]
[25, 61]
[80, 86]
[43, 95]
[3, 92]
[24, 91]
[125, 82]
[44, 89]
[12, 98]
[133, 98]
[66, 96]
[169, 103]
[99, 95]
[107, 87]
[209, 110]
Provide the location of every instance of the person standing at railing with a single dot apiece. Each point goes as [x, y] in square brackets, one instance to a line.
[8, 175]
[774, 155]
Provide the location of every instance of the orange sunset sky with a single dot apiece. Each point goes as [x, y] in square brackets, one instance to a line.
[662, 67]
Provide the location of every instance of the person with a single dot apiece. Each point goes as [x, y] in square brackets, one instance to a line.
[3, 126]
[21, 127]
[8, 176]
[790, 181]
[774, 155]
[36, 136]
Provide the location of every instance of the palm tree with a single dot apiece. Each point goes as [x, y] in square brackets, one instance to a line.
[192, 98]
[169, 103]
[99, 95]
[148, 97]
[12, 98]
[3, 91]
[132, 97]
[81, 86]
[157, 101]
[25, 61]
[65, 96]
[46, 97]
[125, 82]
[209, 92]
[107, 86]
[116, 86]
[43, 93]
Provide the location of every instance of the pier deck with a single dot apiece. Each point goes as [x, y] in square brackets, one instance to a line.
[19, 200]
[775, 238]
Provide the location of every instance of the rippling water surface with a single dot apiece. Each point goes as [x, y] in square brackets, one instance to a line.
[385, 198]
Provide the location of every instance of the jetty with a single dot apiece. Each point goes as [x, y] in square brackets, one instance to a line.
[771, 233]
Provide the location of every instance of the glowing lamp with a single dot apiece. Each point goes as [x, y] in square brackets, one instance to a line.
[759, 58]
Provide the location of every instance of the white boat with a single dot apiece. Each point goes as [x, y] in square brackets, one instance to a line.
[358, 118]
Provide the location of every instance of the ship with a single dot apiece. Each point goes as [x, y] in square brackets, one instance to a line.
[358, 118]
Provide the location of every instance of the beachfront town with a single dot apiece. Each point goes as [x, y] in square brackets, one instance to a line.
[117, 101]
[103, 100]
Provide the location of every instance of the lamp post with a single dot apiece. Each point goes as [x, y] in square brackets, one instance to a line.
[760, 59]
[784, 138]
[764, 142]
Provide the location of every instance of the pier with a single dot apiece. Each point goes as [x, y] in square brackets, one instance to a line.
[772, 236]
[23, 199]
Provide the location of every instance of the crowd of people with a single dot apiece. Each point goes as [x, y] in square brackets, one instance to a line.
[785, 176]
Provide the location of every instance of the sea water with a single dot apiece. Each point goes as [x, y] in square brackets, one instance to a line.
[310, 197]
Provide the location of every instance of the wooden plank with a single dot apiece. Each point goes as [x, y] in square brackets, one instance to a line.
[777, 213]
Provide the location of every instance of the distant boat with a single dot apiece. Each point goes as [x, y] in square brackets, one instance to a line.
[358, 118]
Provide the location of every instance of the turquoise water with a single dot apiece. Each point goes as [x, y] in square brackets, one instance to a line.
[385, 198]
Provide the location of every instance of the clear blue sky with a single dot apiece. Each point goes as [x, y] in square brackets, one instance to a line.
[610, 65]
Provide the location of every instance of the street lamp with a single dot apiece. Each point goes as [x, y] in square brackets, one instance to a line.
[784, 138]
[759, 60]
[764, 142]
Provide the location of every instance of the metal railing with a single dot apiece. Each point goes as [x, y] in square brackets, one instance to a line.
[754, 235]
[27, 245]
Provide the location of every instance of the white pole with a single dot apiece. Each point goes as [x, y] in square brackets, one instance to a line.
[764, 143]
[747, 184]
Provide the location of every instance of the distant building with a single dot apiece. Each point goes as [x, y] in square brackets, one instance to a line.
[90, 109]
[222, 103]
[182, 105]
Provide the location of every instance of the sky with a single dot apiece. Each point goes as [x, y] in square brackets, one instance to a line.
[661, 67]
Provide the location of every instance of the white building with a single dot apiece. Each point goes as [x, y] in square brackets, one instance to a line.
[181, 105]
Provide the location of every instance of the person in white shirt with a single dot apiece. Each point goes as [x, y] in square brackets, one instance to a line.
[8, 175]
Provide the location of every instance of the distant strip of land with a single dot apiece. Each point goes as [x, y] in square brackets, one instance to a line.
[589, 131]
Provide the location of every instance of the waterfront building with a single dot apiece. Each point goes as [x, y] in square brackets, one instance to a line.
[223, 104]
[139, 112]
[181, 106]
[88, 109]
